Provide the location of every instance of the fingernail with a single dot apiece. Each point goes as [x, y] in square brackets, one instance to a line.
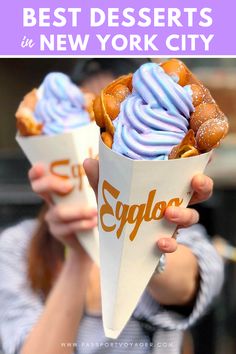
[67, 185]
[201, 181]
[174, 212]
[94, 222]
[66, 188]
[162, 243]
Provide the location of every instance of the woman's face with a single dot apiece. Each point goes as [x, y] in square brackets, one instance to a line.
[97, 82]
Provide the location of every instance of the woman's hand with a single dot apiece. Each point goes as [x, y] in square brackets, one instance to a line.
[182, 217]
[64, 220]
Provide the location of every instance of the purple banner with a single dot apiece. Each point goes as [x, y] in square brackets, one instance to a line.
[118, 27]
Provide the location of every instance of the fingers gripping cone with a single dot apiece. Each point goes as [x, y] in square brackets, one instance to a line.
[64, 155]
[133, 196]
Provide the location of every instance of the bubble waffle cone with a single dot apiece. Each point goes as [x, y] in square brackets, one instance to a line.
[208, 123]
[89, 98]
[186, 148]
[25, 122]
[107, 105]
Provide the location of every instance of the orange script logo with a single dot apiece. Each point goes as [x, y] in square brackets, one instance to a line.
[70, 170]
[133, 214]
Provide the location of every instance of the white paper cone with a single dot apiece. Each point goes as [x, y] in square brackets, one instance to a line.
[64, 155]
[127, 265]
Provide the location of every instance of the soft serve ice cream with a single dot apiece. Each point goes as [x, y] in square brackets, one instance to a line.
[57, 106]
[154, 118]
[61, 106]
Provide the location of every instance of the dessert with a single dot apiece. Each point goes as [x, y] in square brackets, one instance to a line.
[55, 127]
[151, 122]
[160, 112]
[57, 106]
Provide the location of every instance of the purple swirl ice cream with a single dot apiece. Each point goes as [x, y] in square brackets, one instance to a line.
[154, 118]
[60, 106]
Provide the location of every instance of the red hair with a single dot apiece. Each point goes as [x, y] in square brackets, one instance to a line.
[45, 257]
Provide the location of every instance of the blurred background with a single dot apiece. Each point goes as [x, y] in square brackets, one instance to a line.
[216, 333]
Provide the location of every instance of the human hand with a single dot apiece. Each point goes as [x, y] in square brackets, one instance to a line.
[64, 221]
[202, 186]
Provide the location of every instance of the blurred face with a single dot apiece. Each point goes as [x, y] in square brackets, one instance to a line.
[97, 82]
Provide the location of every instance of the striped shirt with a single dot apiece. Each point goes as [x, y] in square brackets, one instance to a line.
[151, 329]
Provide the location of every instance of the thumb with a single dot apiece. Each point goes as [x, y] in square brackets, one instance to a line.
[92, 171]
